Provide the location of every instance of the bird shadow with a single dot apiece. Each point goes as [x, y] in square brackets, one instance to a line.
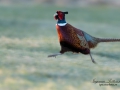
[108, 55]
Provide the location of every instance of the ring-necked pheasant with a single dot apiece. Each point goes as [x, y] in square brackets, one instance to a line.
[73, 39]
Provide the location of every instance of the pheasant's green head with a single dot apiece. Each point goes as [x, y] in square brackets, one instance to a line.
[60, 15]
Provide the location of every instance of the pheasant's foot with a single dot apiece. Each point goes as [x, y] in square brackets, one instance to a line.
[92, 59]
[54, 55]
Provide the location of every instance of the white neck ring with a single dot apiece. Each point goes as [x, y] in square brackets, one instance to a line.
[61, 24]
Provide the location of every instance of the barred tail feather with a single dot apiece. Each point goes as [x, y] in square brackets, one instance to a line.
[93, 41]
[108, 40]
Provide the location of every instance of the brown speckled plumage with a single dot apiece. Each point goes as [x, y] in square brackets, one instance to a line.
[69, 40]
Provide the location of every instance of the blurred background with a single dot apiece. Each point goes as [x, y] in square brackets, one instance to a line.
[28, 36]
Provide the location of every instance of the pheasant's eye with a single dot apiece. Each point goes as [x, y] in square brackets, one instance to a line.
[59, 12]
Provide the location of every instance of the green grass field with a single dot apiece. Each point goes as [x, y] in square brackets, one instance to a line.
[28, 36]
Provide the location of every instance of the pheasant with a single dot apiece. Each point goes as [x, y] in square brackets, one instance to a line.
[73, 39]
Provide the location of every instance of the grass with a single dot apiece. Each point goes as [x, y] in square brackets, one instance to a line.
[28, 36]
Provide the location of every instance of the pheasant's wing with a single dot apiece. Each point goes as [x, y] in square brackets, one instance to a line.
[87, 39]
[83, 42]
[92, 41]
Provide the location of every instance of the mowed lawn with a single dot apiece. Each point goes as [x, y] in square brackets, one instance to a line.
[28, 36]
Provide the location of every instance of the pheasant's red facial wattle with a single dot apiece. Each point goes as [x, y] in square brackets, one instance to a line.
[60, 15]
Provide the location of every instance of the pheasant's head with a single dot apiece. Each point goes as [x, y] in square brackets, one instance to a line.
[60, 15]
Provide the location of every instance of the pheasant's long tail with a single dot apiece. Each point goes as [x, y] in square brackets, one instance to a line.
[108, 40]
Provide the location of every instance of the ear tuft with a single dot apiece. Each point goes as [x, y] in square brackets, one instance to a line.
[65, 12]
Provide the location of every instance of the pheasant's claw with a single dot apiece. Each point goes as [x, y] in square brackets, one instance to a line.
[94, 61]
[52, 56]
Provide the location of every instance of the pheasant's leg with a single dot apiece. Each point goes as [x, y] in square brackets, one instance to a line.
[92, 59]
[54, 55]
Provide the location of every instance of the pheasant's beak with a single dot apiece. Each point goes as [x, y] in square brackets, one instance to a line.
[56, 16]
